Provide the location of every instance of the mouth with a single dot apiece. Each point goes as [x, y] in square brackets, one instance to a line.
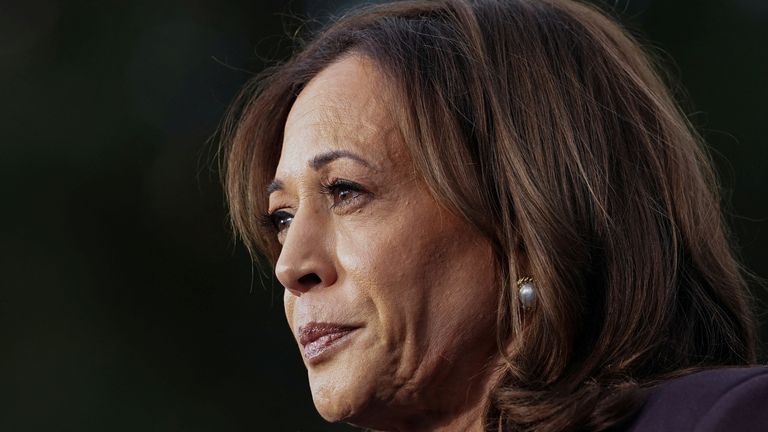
[318, 338]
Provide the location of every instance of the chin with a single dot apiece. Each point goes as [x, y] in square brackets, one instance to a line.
[356, 412]
[345, 388]
[333, 411]
[337, 395]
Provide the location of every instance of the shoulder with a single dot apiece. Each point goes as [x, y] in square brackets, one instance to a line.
[727, 399]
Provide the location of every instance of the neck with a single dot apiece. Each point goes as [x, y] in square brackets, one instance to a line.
[470, 420]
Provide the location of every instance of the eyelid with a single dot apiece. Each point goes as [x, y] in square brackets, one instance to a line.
[269, 220]
[327, 187]
[333, 186]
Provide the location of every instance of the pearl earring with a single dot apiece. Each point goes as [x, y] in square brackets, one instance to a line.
[527, 291]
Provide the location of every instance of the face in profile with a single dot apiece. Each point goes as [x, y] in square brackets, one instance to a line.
[391, 298]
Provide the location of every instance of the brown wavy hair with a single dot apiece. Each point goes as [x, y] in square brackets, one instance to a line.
[545, 125]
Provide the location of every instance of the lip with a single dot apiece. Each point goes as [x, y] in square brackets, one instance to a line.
[318, 338]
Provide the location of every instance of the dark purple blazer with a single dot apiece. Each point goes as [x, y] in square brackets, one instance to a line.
[718, 400]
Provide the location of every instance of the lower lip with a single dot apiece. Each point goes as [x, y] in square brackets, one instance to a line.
[315, 350]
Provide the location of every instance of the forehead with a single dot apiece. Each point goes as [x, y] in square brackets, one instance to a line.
[342, 108]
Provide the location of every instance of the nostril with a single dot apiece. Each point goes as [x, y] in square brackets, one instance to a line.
[309, 280]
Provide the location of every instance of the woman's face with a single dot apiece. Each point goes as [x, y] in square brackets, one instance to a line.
[390, 297]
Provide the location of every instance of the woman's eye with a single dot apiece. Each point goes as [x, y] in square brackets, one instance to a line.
[280, 220]
[343, 192]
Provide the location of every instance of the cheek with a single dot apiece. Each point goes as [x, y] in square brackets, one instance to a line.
[386, 263]
[462, 286]
[289, 301]
[426, 275]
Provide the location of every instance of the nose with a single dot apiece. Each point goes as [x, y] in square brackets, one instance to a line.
[306, 261]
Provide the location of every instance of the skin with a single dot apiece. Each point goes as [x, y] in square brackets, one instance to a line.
[385, 257]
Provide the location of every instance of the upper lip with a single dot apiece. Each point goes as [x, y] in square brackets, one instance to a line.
[313, 331]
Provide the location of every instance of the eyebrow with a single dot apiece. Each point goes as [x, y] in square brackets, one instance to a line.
[324, 159]
[274, 186]
[321, 160]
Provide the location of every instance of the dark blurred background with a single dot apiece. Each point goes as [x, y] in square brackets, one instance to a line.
[125, 305]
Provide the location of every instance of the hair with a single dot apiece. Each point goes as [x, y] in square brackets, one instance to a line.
[546, 126]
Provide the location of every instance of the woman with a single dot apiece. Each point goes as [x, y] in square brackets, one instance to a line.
[491, 215]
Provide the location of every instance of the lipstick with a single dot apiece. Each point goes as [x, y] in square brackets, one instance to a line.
[318, 338]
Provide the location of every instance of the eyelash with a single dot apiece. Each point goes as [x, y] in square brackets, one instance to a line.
[278, 220]
[272, 221]
[339, 185]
